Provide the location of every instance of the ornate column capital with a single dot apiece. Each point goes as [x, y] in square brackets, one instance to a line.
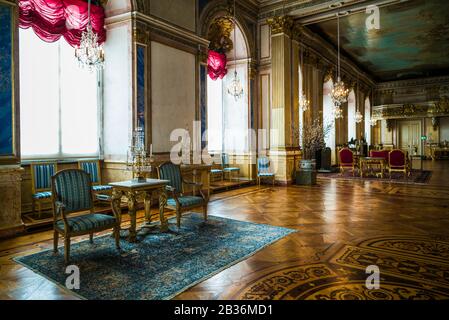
[281, 24]
[252, 70]
[141, 36]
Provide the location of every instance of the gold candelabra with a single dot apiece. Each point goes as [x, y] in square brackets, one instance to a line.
[138, 160]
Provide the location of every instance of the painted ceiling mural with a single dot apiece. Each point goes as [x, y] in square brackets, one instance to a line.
[412, 42]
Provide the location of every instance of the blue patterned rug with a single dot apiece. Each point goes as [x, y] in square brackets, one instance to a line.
[160, 265]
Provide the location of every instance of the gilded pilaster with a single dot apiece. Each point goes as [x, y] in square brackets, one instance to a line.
[285, 82]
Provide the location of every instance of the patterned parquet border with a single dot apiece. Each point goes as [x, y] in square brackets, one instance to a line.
[411, 267]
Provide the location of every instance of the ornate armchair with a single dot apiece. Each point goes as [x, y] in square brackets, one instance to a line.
[397, 162]
[263, 170]
[178, 201]
[41, 174]
[227, 168]
[93, 168]
[346, 159]
[72, 193]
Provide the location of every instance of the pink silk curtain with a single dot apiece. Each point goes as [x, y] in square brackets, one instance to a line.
[216, 65]
[51, 19]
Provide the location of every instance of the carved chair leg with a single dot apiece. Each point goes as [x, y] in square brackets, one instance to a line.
[33, 205]
[205, 212]
[117, 236]
[178, 218]
[91, 238]
[67, 250]
[55, 241]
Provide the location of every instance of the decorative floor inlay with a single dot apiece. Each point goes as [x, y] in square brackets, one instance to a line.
[410, 267]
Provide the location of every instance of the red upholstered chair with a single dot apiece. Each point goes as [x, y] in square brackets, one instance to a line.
[346, 158]
[397, 161]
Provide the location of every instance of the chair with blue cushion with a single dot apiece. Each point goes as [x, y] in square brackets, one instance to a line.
[102, 192]
[73, 194]
[41, 173]
[263, 170]
[227, 168]
[178, 201]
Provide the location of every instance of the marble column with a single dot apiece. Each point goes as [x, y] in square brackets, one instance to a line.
[10, 200]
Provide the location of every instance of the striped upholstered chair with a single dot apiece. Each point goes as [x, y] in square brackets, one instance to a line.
[72, 194]
[227, 168]
[92, 167]
[177, 201]
[41, 173]
[263, 170]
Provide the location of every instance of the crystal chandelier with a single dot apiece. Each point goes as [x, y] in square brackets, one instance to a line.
[358, 117]
[337, 112]
[235, 88]
[304, 103]
[89, 53]
[339, 92]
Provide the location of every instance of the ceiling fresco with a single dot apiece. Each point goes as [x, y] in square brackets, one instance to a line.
[412, 42]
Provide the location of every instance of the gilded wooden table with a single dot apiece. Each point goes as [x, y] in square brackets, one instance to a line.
[368, 162]
[131, 189]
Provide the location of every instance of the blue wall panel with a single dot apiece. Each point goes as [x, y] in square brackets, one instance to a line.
[6, 97]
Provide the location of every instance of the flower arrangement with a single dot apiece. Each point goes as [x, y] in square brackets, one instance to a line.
[313, 138]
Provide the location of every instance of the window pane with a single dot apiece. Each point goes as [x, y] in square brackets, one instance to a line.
[79, 106]
[214, 114]
[39, 96]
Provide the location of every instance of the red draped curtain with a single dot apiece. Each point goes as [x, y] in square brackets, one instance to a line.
[216, 65]
[53, 19]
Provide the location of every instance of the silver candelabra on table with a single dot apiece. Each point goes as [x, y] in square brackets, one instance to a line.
[138, 161]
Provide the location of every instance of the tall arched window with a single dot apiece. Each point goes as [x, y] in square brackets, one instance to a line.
[351, 116]
[368, 121]
[228, 117]
[301, 113]
[328, 117]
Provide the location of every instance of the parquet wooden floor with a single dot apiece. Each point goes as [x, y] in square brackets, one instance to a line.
[343, 226]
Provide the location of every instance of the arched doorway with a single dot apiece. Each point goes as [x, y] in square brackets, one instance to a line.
[328, 117]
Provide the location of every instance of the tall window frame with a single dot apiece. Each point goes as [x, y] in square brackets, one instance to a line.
[71, 128]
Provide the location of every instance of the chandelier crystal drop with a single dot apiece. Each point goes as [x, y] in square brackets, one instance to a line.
[89, 53]
[304, 103]
[235, 88]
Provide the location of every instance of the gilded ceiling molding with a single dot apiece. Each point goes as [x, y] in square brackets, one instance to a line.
[281, 25]
[435, 109]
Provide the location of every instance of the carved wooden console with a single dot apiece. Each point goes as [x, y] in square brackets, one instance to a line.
[10, 199]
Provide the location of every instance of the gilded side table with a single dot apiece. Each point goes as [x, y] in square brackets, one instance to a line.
[368, 162]
[131, 189]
